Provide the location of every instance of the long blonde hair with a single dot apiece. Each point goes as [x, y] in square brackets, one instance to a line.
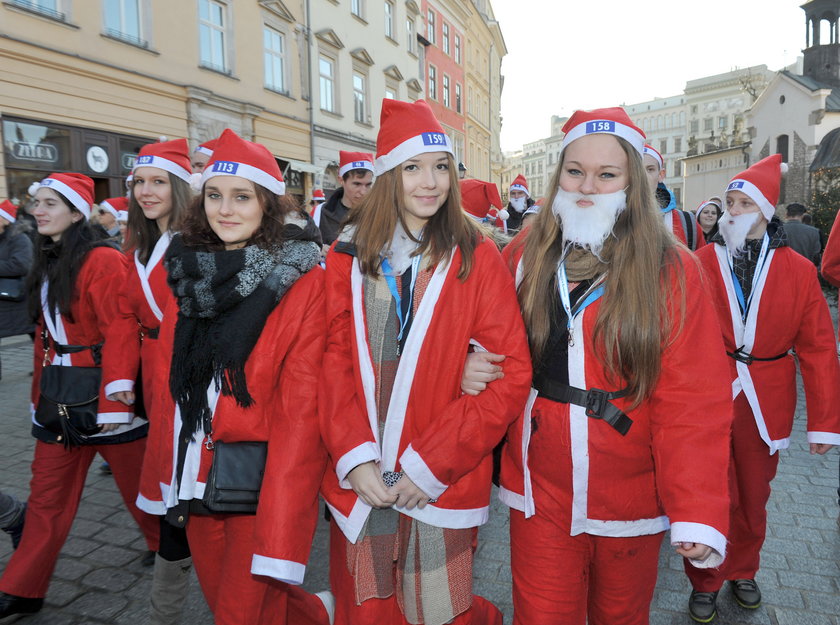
[376, 217]
[633, 321]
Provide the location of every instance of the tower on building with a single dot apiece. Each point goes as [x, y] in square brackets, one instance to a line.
[822, 41]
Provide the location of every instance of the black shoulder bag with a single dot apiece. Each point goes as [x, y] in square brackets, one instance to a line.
[69, 398]
[235, 479]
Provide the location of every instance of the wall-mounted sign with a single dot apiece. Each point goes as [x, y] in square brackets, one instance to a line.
[97, 159]
[36, 152]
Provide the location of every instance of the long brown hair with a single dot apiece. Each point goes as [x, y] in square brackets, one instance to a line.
[633, 321]
[376, 217]
[197, 232]
[142, 233]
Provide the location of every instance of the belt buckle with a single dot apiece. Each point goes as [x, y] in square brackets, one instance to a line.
[742, 356]
[596, 402]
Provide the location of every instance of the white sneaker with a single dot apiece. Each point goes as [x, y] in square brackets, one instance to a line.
[328, 600]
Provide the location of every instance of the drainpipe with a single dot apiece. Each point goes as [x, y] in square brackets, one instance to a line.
[308, 26]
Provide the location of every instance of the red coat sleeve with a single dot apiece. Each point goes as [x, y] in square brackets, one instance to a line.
[345, 427]
[288, 510]
[830, 268]
[121, 354]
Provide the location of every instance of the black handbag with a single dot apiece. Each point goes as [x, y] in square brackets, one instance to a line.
[12, 289]
[69, 399]
[235, 479]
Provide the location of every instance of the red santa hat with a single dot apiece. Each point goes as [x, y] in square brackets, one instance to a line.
[172, 156]
[8, 211]
[234, 156]
[612, 121]
[407, 129]
[520, 184]
[75, 188]
[761, 183]
[478, 198]
[649, 150]
[354, 160]
[207, 147]
[115, 205]
[318, 196]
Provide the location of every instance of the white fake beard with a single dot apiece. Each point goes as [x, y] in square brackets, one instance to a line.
[734, 230]
[590, 226]
[518, 203]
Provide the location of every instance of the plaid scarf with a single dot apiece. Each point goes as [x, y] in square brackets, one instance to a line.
[224, 299]
[428, 568]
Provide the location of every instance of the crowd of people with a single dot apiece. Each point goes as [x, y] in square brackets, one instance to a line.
[398, 348]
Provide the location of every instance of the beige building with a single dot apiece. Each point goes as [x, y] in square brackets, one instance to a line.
[484, 50]
[84, 83]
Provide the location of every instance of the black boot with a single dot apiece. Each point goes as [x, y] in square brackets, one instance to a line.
[12, 604]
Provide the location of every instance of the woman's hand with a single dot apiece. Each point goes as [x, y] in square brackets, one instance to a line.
[108, 427]
[126, 397]
[479, 371]
[820, 448]
[366, 481]
[408, 494]
[694, 551]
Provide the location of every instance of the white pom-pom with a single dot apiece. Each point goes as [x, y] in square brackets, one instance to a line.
[195, 182]
[33, 188]
[162, 138]
[784, 168]
[503, 215]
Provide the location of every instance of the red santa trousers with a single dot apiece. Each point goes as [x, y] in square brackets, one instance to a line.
[222, 548]
[558, 578]
[382, 611]
[750, 473]
[58, 479]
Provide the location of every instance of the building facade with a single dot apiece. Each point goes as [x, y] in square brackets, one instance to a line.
[84, 84]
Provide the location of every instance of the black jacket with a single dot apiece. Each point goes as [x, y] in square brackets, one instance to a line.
[16, 255]
[333, 214]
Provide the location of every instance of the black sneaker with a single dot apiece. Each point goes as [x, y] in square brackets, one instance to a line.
[16, 530]
[702, 606]
[746, 593]
[12, 604]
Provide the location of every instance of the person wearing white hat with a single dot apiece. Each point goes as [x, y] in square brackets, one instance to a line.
[242, 341]
[618, 442]
[355, 177]
[678, 222]
[769, 303]
[410, 282]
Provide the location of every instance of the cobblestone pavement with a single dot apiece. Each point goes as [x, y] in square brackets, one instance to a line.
[99, 578]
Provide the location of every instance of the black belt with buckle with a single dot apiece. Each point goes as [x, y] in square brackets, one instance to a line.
[741, 356]
[595, 400]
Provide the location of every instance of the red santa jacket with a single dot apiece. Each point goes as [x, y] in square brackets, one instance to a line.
[93, 309]
[441, 438]
[673, 221]
[671, 467]
[830, 266]
[282, 376]
[788, 310]
[141, 302]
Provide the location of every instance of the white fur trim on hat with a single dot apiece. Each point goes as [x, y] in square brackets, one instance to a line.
[605, 126]
[355, 165]
[204, 150]
[503, 214]
[110, 209]
[150, 160]
[755, 194]
[74, 198]
[519, 187]
[419, 144]
[655, 156]
[122, 215]
[243, 170]
[7, 216]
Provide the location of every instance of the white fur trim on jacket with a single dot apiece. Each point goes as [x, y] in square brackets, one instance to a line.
[282, 570]
[685, 532]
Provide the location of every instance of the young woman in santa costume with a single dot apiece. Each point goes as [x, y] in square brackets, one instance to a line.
[410, 283]
[768, 302]
[73, 287]
[245, 336]
[160, 195]
[618, 441]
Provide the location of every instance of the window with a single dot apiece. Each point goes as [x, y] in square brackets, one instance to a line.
[274, 46]
[707, 124]
[722, 122]
[695, 126]
[677, 144]
[412, 38]
[211, 31]
[430, 27]
[458, 49]
[432, 82]
[457, 98]
[326, 69]
[445, 36]
[50, 8]
[359, 98]
[663, 146]
[389, 19]
[446, 91]
[391, 94]
[122, 20]
[357, 8]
